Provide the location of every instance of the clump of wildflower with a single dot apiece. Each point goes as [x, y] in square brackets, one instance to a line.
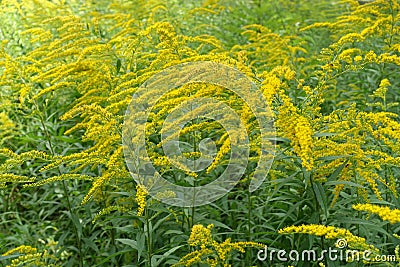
[141, 193]
[330, 232]
[298, 129]
[200, 235]
[357, 58]
[210, 251]
[304, 143]
[397, 252]
[270, 86]
[386, 214]
[108, 210]
[29, 256]
[380, 93]
[371, 57]
[285, 72]
[21, 249]
[384, 83]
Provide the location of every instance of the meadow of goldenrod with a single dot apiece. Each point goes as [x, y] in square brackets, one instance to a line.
[328, 70]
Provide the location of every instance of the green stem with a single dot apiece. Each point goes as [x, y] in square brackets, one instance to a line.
[249, 205]
[148, 237]
[64, 186]
[387, 200]
[195, 148]
[323, 248]
[315, 198]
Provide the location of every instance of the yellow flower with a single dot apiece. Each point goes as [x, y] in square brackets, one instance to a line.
[371, 57]
[329, 232]
[384, 83]
[386, 214]
[303, 143]
[211, 252]
[141, 193]
[298, 129]
[21, 249]
[200, 235]
[357, 58]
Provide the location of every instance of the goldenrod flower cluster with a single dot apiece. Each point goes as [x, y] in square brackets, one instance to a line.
[93, 61]
[30, 256]
[200, 235]
[21, 249]
[298, 129]
[108, 210]
[330, 232]
[385, 213]
[6, 127]
[14, 160]
[210, 251]
[141, 193]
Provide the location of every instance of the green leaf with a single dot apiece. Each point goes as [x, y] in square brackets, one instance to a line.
[336, 173]
[166, 254]
[141, 243]
[118, 67]
[129, 242]
[345, 183]
[321, 197]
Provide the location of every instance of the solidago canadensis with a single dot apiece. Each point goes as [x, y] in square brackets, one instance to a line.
[210, 251]
[93, 57]
[30, 256]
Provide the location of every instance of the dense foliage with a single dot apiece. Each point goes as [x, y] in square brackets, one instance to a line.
[329, 70]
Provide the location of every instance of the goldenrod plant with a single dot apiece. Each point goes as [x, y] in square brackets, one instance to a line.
[69, 71]
[210, 251]
[30, 256]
